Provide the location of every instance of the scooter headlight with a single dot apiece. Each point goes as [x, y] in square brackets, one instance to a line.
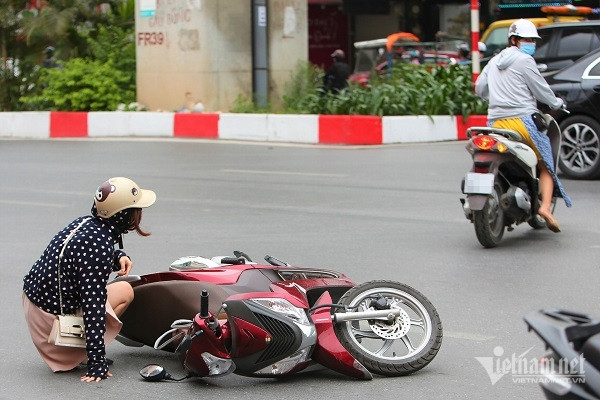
[285, 308]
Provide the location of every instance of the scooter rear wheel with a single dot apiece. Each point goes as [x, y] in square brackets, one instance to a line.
[391, 348]
[489, 222]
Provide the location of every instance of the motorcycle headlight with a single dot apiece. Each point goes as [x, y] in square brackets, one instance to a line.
[285, 308]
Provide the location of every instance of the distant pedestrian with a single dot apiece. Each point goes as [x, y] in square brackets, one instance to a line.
[464, 53]
[49, 60]
[336, 78]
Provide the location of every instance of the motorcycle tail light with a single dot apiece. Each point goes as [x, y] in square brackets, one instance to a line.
[484, 142]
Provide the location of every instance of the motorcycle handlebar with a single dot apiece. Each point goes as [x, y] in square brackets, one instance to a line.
[204, 304]
[233, 260]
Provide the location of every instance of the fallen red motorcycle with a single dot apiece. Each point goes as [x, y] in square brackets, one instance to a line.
[276, 320]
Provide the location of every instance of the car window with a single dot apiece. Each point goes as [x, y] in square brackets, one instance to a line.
[576, 42]
[543, 44]
[593, 70]
[497, 40]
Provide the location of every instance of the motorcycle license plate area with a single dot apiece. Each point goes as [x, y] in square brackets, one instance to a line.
[476, 183]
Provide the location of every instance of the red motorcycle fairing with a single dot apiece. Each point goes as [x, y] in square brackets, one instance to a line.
[207, 342]
[328, 351]
[261, 337]
[219, 276]
[312, 288]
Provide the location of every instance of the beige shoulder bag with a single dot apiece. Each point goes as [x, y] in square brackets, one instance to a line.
[67, 329]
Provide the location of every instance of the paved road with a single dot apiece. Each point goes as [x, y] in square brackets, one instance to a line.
[387, 212]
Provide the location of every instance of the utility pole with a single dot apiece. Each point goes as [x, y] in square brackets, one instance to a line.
[475, 39]
[260, 77]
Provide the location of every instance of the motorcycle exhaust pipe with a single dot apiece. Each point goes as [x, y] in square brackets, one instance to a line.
[389, 315]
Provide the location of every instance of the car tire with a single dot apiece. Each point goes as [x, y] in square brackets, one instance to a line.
[579, 156]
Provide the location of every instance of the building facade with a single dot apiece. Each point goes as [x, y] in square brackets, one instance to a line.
[204, 51]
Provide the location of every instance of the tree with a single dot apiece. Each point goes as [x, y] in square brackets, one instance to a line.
[72, 27]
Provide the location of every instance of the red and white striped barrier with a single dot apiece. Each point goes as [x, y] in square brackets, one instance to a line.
[311, 129]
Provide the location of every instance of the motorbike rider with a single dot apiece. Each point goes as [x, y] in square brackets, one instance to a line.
[89, 258]
[512, 84]
[336, 78]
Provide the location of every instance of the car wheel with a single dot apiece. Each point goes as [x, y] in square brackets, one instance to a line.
[579, 156]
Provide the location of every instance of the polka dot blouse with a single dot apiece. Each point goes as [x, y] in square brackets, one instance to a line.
[88, 260]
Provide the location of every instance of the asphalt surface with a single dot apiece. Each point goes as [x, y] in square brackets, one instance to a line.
[389, 212]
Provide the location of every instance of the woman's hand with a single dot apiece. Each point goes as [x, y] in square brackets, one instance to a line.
[87, 378]
[126, 264]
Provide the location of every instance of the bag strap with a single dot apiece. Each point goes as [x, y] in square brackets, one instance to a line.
[60, 257]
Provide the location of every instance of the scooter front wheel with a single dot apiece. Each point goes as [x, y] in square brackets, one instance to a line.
[489, 222]
[392, 348]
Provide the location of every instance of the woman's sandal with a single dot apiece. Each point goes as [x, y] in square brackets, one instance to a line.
[551, 223]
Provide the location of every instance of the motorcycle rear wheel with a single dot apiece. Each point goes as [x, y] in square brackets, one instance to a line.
[395, 348]
[489, 222]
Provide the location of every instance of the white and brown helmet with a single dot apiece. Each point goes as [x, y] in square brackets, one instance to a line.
[117, 194]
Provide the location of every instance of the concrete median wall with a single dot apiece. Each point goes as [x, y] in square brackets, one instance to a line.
[310, 129]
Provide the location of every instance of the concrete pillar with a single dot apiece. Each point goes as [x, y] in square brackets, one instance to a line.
[201, 51]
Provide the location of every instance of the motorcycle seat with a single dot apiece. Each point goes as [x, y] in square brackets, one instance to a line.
[591, 350]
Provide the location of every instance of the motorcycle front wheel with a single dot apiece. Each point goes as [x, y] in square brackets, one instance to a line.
[391, 348]
[489, 222]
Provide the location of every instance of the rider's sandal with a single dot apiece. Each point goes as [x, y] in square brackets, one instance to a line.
[551, 223]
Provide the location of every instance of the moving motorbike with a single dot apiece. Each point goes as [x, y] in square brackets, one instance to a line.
[230, 314]
[571, 370]
[502, 187]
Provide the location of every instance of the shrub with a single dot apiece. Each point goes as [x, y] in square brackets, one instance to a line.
[81, 85]
[406, 90]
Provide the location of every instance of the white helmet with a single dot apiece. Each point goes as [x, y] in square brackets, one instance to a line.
[117, 194]
[523, 28]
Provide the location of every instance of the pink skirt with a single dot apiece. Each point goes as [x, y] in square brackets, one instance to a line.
[60, 358]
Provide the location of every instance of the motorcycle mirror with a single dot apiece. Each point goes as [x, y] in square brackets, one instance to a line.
[154, 373]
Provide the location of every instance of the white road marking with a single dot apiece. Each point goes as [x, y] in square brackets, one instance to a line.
[33, 203]
[475, 337]
[264, 172]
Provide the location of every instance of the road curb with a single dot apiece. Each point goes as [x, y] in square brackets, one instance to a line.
[315, 129]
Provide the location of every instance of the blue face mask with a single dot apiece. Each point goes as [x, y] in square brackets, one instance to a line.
[527, 48]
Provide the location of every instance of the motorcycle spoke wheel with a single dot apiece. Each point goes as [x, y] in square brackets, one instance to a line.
[395, 348]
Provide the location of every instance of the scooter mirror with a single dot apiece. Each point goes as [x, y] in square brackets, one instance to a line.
[153, 373]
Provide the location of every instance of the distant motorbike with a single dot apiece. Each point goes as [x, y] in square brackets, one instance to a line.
[275, 320]
[571, 370]
[502, 187]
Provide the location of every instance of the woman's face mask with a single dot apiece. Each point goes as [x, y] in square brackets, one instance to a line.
[527, 47]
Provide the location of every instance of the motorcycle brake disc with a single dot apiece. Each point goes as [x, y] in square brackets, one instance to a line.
[395, 330]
